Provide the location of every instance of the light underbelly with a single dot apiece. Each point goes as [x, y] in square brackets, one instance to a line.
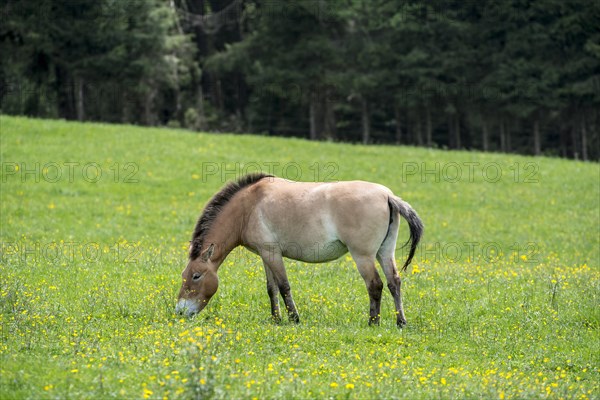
[314, 252]
[310, 253]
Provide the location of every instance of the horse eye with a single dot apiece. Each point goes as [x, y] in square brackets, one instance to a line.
[196, 277]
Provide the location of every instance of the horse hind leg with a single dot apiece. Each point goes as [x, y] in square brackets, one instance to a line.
[394, 284]
[386, 258]
[366, 267]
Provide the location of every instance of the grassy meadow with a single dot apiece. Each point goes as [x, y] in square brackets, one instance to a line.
[502, 299]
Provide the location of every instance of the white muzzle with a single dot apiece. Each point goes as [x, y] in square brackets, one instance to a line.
[187, 307]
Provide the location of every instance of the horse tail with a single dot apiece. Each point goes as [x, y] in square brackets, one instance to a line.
[414, 223]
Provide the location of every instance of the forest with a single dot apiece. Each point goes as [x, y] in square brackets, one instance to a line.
[513, 76]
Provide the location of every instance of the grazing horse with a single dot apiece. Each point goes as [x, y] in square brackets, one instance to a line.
[305, 221]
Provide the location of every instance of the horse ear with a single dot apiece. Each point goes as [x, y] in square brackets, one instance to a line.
[208, 253]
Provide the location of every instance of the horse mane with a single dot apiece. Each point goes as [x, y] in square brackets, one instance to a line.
[214, 207]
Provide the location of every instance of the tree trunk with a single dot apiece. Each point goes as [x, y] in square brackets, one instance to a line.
[366, 124]
[457, 131]
[537, 145]
[575, 141]
[563, 142]
[451, 138]
[178, 112]
[584, 151]
[508, 138]
[31, 105]
[200, 106]
[398, 125]
[148, 105]
[485, 136]
[429, 133]
[502, 136]
[419, 130]
[125, 105]
[64, 94]
[313, 117]
[79, 97]
[240, 99]
[219, 94]
[330, 121]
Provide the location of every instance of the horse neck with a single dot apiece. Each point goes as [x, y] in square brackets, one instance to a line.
[226, 232]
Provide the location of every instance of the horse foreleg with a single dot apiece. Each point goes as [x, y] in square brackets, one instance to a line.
[274, 263]
[273, 291]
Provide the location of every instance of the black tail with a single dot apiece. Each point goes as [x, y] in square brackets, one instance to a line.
[414, 223]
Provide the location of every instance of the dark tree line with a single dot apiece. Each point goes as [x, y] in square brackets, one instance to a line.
[512, 75]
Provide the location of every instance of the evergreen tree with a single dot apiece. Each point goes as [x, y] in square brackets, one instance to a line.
[515, 76]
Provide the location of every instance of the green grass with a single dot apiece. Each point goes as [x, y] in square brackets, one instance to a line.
[501, 300]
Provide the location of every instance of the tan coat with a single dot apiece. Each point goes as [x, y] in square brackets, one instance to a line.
[311, 222]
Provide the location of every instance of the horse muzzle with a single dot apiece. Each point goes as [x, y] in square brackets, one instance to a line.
[187, 307]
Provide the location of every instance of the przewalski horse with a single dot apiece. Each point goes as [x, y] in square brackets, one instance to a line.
[305, 221]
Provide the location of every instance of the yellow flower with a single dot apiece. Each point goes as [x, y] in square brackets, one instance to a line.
[349, 386]
[333, 385]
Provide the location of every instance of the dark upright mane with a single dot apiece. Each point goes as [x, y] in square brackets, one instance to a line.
[214, 206]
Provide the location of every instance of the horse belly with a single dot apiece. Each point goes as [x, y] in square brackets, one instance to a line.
[313, 252]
